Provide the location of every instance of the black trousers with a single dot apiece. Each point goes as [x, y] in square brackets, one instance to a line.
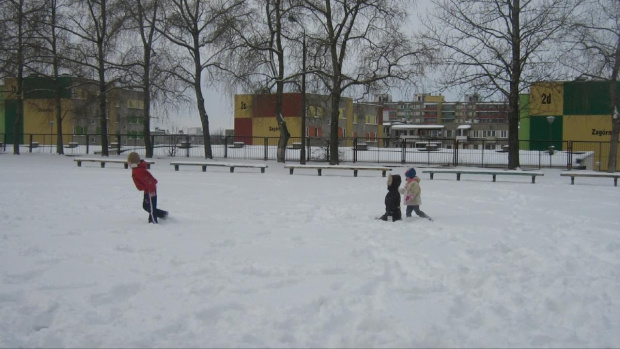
[149, 204]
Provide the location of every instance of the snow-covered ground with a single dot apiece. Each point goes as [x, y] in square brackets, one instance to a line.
[278, 260]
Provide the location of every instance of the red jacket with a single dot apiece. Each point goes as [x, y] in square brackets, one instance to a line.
[143, 179]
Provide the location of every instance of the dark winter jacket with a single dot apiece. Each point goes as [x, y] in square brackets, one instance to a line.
[392, 198]
[143, 179]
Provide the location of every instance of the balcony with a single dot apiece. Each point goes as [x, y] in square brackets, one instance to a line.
[462, 138]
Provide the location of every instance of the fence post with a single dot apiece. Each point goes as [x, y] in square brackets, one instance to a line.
[87, 143]
[569, 165]
[327, 152]
[455, 153]
[482, 159]
[30, 146]
[153, 145]
[266, 148]
[225, 147]
[403, 150]
[354, 149]
[118, 144]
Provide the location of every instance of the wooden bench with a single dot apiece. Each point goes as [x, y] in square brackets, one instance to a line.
[573, 174]
[493, 173]
[71, 145]
[355, 169]
[103, 161]
[204, 165]
[362, 146]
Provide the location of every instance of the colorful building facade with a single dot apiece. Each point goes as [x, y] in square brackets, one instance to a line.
[578, 111]
[79, 109]
[255, 117]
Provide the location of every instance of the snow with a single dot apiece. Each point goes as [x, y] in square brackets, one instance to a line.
[277, 260]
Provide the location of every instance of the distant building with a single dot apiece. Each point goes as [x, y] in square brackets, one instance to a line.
[255, 117]
[79, 105]
[430, 116]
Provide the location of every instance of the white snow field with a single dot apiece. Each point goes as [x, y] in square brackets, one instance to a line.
[278, 260]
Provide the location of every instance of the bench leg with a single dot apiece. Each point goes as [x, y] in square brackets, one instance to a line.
[102, 164]
[291, 171]
[148, 165]
[458, 176]
[176, 167]
[354, 173]
[572, 181]
[432, 176]
[79, 164]
[126, 165]
[204, 168]
[319, 170]
[533, 179]
[262, 170]
[494, 177]
[615, 181]
[232, 169]
[383, 173]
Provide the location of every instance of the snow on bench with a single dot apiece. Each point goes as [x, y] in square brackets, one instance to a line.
[355, 169]
[573, 174]
[204, 165]
[103, 161]
[493, 173]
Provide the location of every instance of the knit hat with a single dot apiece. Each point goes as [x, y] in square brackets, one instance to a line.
[410, 173]
[133, 158]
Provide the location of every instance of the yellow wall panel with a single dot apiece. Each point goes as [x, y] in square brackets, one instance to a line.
[39, 112]
[268, 127]
[547, 98]
[587, 128]
[243, 106]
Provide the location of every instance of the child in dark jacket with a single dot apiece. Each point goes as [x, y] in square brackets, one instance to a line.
[392, 199]
[145, 182]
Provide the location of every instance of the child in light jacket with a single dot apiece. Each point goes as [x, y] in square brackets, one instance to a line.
[413, 194]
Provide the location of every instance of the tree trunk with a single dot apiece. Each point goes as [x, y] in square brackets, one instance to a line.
[147, 102]
[333, 130]
[513, 97]
[615, 119]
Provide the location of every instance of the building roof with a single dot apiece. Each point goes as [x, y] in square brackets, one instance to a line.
[414, 127]
[464, 127]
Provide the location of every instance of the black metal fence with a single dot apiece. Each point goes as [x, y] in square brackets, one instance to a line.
[533, 154]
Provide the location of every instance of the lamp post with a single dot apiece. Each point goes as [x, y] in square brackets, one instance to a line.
[550, 120]
[302, 152]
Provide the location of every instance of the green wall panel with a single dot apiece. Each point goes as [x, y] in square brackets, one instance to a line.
[587, 98]
[43, 88]
[10, 115]
[539, 127]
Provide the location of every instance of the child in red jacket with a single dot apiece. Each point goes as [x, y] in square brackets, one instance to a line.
[145, 182]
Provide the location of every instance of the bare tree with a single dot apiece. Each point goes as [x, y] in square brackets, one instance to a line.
[53, 40]
[17, 52]
[363, 44]
[202, 29]
[96, 24]
[497, 46]
[260, 56]
[143, 15]
[594, 51]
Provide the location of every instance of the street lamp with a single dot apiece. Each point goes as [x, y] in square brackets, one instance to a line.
[550, 120]
[302, 153]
